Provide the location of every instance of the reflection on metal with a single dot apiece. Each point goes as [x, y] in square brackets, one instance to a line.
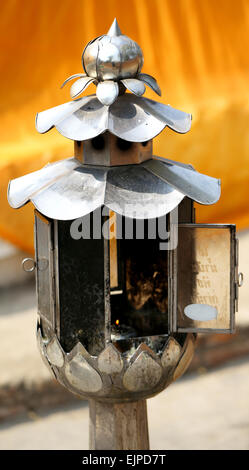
[150, 81]
[45, 271]
[107, 92]
[42, 343]
[186, 358]
[110, 360]
[240, 279]
[171, 354]
[62, 197]
[112, 56]
[130, 117]
[114, 29]
[78, 87]
[134, 85]
[141, 347]
[114, 375]
[133, 191]
[131, 345]
[75, 75]
[45, 120]
[143, 374]
[27, 186]
[109, 61]
[175, 119]
[82, 376]
[130, 121]
[28, 265]
[201, 312]
[201, 188]
[79, 350]
[54, 353]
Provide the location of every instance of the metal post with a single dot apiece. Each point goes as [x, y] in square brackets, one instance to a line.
[118, 426]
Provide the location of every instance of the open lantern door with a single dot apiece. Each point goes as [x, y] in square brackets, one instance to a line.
[204, 279]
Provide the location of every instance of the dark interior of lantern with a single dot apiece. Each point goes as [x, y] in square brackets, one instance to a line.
[99, 143]
[139, 302]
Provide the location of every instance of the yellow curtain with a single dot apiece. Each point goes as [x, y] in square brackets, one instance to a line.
[197, 50]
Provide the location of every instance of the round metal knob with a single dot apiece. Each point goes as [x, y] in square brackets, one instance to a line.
[112, 58]
[26, 267]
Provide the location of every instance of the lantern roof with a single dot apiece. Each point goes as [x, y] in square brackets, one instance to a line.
[68, 189]
[112, 62]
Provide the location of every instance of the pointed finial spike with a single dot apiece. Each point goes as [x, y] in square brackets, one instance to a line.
[114, 29]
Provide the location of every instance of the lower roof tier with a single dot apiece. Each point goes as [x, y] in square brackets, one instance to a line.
[68, 189]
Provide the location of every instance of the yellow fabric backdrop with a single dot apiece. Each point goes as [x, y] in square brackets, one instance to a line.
[197, 49]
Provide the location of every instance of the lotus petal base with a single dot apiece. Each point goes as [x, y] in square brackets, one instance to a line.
[117, 377]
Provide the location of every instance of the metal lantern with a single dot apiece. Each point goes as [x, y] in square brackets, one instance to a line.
[119, 304]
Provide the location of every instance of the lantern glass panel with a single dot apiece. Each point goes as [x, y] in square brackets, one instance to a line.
[203, 264]
[81, 296]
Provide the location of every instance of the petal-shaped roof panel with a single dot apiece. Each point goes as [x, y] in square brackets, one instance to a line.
[129, 121]
[22, 189]
[130, 117]
[68, 189]
[88, 121]
[74, 195]
[51, 117]
[134, 192]
[174, 118]
[201, 188]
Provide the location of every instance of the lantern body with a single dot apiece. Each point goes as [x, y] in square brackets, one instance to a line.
[116, 316]
[103, 312]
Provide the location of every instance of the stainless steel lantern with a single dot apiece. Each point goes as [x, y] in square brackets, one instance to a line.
[119, 304]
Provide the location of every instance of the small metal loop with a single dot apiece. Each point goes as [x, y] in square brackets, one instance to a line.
[33, 266]
[240, 279]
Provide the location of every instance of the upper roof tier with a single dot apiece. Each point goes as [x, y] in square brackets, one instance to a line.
[113, 62]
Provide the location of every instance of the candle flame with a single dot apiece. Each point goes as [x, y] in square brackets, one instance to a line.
[117, 322]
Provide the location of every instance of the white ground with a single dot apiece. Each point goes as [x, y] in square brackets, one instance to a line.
[209, 411]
